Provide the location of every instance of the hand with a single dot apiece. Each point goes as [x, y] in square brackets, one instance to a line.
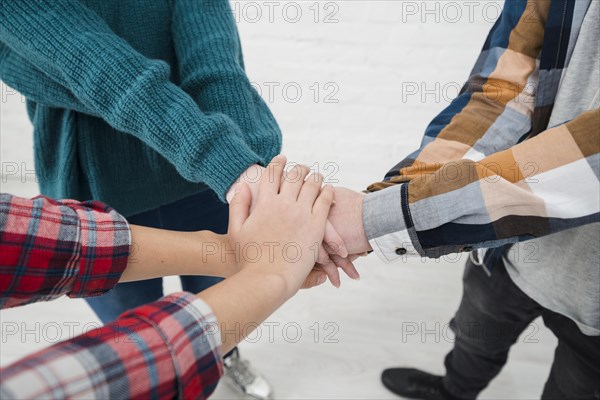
[287, 225]
[346, 216]
[251, 177]
[329, 259]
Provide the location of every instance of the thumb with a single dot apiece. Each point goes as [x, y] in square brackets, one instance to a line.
[239, 208]
[314, 278]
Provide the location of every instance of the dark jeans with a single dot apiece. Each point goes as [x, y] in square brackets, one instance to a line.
[491, 316]
[202, 211]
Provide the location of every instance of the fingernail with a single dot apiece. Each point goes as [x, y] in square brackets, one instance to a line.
[321, 280]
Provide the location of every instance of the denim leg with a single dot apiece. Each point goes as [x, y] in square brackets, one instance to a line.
[125, 296]
[575, 372]
[202, 211]
[492, 314]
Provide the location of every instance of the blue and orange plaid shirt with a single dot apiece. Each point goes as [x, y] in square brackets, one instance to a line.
[490, 172]
[166, 349]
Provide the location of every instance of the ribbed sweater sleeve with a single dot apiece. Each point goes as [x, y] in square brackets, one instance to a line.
[76, 49]
[210, 61]
[17, 72]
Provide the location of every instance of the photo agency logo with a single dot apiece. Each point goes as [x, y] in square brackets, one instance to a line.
[48, 332]
[270, 331]
[292, 172]
[291, 12]
[521, 253]
[494, 91]
[255, 252]
[25, 172]
[428, 12]
[436, 332]
[8, 94]
[296, 92]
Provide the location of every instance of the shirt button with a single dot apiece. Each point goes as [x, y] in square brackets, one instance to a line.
[467, 248]
[401, 251]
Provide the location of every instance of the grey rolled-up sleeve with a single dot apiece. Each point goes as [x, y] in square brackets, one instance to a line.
[385, 224]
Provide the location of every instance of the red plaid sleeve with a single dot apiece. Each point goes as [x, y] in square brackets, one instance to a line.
[49, 248]
[162, 350]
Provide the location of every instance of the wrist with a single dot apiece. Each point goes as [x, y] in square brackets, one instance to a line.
[361, 232]
[281, 276]
[213, 250]
[251, 176]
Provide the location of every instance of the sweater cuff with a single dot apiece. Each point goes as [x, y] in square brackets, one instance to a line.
[385, 224]
[229, 157]
[207, 148]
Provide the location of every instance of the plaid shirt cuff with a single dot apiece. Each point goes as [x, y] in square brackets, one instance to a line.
[104, 245]
[55, 247]
[190, 330]
[384, 219]
[166, 349]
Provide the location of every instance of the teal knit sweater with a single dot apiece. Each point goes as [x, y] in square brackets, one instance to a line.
[137, 103]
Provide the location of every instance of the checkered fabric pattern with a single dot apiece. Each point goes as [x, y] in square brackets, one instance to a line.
[490, 171]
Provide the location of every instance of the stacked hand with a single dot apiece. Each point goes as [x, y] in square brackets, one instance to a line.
[344, 238]
[286, 227]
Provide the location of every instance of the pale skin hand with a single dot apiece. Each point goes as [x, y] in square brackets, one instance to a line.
[346, 215]
[156, 253]
[286, 214]
[333, 254]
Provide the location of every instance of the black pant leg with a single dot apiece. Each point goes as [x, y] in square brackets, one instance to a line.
[575, 372]
[492, 314]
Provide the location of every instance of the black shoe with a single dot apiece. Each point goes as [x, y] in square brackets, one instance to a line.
[415, 384]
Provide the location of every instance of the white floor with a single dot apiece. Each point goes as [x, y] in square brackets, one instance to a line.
[332, 343]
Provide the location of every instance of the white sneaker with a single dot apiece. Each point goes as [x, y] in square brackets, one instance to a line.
[241, 377]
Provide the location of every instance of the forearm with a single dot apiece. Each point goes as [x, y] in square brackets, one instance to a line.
[494, 108]
[244, 301]
[166, 348]
[210, 60]
[157, 253]
[19, 73]
[543, 185]
[59, 247]
[132, 93]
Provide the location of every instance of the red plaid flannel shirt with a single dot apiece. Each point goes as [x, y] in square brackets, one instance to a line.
[48, 248]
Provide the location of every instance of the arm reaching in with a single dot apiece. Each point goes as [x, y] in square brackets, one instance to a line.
[543, 185]
[288, 225]
[113, 81]
[333, 253]
[173, 347]
[211, 69]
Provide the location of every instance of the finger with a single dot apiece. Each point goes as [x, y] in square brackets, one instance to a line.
[316, 277]
[311, 189]
[346, 265]
[323, 257]
[334, 242]
[270, 181]
[239, 209]
[293, 181]
[332, 273]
